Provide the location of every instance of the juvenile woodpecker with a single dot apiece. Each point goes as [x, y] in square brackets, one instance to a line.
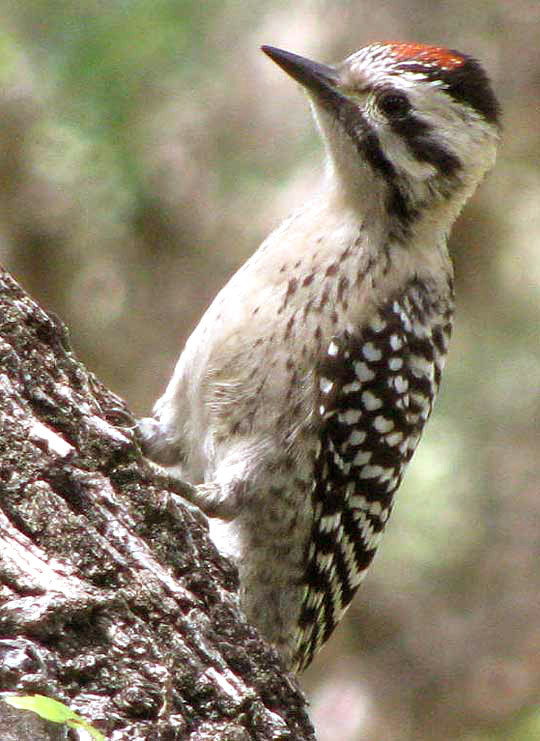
[301, 396]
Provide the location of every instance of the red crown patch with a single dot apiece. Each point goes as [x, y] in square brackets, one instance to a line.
[435, 55]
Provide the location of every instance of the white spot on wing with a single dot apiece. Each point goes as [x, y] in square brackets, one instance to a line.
[382, 424]
[401, 384]
[357, 437]
[325, 384]
[359, 502]
[396, 343]
[371, 472]
[375, 508]
[333, 349]
[370, 401]
[421, 366]
[350, 417]
[362, 457]
[329, 523]
[377, 324]
[394, 438]
[363, 373]
[371, 353]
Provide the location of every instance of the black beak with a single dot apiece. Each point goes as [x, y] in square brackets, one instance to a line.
[318, 78]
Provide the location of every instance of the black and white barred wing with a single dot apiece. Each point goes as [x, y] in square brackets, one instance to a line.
[376, 391]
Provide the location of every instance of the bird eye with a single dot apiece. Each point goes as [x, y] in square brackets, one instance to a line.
[393, 105]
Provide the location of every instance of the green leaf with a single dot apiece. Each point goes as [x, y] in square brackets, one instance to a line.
[54, 711]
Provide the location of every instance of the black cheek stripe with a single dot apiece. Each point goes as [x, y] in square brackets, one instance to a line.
[418, 136]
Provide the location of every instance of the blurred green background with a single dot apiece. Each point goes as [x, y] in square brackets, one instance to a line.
[147, 147]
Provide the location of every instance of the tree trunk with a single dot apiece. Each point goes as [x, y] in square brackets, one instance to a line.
[112, 598]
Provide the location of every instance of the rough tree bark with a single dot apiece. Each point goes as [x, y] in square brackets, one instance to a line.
[112, 598]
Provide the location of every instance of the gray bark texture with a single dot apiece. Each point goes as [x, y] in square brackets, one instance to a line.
[112, 598]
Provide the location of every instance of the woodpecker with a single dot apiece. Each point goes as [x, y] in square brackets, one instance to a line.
[300, 398]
